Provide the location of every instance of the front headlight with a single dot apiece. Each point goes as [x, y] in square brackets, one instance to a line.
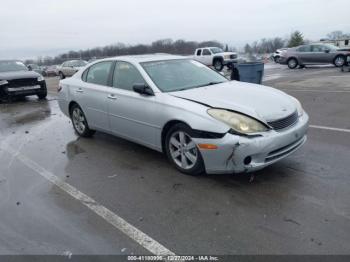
[3, 82]
[238, 122]
[298, 106]
[41, 78]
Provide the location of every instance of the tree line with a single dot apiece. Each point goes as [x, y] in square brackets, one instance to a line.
[169, 46]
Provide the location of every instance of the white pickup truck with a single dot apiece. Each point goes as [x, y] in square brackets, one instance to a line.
[214, 56]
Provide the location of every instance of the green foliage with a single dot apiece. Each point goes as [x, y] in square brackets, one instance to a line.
[296, 39]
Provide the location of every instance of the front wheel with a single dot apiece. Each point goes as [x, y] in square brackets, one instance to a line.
[61, 75]
[218, 65]
[80, 123]
[292, 63]
[339, 61]
[182, 151]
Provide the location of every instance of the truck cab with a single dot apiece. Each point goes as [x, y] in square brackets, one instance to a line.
[214, 56]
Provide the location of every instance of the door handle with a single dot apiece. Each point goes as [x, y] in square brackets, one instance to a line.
[112, 97]
[79, 90]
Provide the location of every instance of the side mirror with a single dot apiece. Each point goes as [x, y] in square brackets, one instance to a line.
[143, 89]
[327, 51]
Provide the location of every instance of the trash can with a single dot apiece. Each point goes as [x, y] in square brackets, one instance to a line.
[251, 72]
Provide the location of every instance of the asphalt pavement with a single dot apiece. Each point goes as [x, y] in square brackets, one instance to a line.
[60, 194]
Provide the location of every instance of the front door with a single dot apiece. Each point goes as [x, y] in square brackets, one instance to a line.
[131, 115]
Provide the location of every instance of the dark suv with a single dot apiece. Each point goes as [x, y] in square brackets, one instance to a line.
[313, 54]
[17, 80]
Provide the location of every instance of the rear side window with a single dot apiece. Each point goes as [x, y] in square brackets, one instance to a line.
[126, 76]
[98, 73]
[305, 48]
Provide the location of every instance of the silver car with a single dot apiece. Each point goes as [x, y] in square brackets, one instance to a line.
[313, 54]
[199, 119]
[69, 68]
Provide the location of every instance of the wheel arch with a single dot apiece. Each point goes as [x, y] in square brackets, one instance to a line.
[167, 127]
[70, 106]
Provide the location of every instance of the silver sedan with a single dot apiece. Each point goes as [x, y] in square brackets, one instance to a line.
[175, 105]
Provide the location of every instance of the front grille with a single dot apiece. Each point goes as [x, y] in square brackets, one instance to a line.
[233, 56]
[284, 122]
[22, 82]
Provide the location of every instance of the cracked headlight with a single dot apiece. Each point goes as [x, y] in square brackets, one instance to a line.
[41, 78]
[238, 122]
[298, 106]
[3, 82]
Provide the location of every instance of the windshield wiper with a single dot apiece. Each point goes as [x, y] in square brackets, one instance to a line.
[208, 84]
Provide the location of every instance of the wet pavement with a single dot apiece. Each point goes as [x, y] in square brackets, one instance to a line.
[297, 206]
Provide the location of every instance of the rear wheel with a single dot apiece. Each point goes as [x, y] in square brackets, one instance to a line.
[79, 121]
[339, 61]
[292, 63]
[182, 150]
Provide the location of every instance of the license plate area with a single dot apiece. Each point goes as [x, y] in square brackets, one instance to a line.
[22, 88]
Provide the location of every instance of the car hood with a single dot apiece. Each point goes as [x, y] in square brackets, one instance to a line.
[261, 102]
[18, 74]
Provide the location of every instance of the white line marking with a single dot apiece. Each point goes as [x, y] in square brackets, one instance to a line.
[322, 91]
[331, 128]
[132, 232]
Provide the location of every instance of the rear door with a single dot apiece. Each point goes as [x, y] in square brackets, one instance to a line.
[94, 92]
[304, 54]
[131, 114]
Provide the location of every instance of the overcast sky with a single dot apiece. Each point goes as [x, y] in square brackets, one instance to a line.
[29, 28]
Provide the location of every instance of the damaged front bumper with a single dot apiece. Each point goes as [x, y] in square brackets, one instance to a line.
[237, 154]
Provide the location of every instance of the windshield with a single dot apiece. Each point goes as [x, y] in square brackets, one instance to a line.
[79, 63]
[216, 50]
[7, 66]
[183, 74]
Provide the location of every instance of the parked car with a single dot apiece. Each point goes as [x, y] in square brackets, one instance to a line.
[17, 80]
[69, 68]
[313, 54]
[35, 68]
[51, 71]
[176, 105]
[214, 56]
[277, 54]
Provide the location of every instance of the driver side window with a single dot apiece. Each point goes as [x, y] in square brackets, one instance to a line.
[126, 76]
[206, 52]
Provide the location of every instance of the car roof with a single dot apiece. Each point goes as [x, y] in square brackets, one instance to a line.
[145, 58]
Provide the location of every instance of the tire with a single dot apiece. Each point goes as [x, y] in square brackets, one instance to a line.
[79, 122]
[275, 59]
[218, 65]
[339, 61]
[61, 75]
[292, 63]
[182, 152]
[43, 94]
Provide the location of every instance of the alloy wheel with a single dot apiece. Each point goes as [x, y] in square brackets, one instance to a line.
[78, 120]
[339, 61]
[183, 150]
